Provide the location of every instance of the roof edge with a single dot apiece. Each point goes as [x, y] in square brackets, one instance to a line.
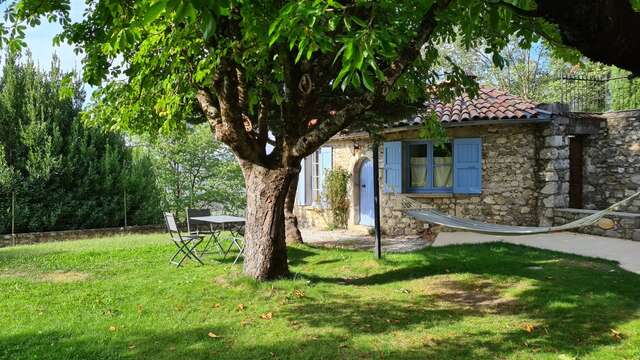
[364, 134]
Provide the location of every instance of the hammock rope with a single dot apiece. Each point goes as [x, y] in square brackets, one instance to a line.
[436, 217]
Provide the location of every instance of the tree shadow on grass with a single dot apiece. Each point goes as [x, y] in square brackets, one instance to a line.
[574, 302]
[298, 255]
[195, 343]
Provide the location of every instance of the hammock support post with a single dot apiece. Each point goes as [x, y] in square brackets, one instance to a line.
[376, 200]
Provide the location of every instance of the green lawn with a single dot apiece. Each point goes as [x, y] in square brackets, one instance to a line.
[119, 298]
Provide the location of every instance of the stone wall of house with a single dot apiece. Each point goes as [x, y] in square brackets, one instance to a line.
[511, 180]
[509, 183]
[311, 216]
[552, 169]
[346, 154]
[525, 176]
[612, 162]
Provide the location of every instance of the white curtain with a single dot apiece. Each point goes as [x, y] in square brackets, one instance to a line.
[442, 172]
[418, 171]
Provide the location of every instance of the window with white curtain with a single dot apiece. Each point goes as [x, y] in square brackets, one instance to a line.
[443, 166]
[429, 167]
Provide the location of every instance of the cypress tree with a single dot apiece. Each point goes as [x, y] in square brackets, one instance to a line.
[65, 175]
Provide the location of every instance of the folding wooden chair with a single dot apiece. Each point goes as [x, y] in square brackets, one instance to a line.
[185, 243]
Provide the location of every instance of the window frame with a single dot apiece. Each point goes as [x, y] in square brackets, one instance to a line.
[429, 188]
[311, 179]
[316, 187]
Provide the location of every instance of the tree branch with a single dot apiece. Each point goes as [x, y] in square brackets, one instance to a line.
[514, 9]
[207, 106]
[326, 129]
[228, 125]
[290, 105]
[412, 50]
[263, 118]
[349, 114]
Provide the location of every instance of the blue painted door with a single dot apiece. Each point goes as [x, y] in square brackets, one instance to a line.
[366, 193]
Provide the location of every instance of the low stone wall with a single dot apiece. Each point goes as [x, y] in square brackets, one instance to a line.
[625, 225]
[51, 236]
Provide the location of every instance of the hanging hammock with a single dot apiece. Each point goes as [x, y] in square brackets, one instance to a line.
[438, 218]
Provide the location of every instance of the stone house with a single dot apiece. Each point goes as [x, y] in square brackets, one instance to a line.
[507, 161]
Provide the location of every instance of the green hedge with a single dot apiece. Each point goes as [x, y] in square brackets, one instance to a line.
[64, 175]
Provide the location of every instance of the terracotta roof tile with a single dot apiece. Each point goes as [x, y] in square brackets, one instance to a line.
[490, 104]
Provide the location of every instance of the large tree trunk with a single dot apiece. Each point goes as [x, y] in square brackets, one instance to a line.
[265, 248]
[268, 177]
[292, 232]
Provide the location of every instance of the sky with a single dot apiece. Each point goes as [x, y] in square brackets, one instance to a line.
[39, 41]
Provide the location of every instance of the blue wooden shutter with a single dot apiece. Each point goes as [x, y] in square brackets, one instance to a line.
[467, 166]
[300, 192]
[393, 166]
[325, 166]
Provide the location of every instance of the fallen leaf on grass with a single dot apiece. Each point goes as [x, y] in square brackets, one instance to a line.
[216, 305]
[529, 328]
[267, 316]
[405, 291]
[213, 335]
[298, 293]
[110, 312]
[112, 328]
[428, 340]
[616, 334]
[241, 307]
